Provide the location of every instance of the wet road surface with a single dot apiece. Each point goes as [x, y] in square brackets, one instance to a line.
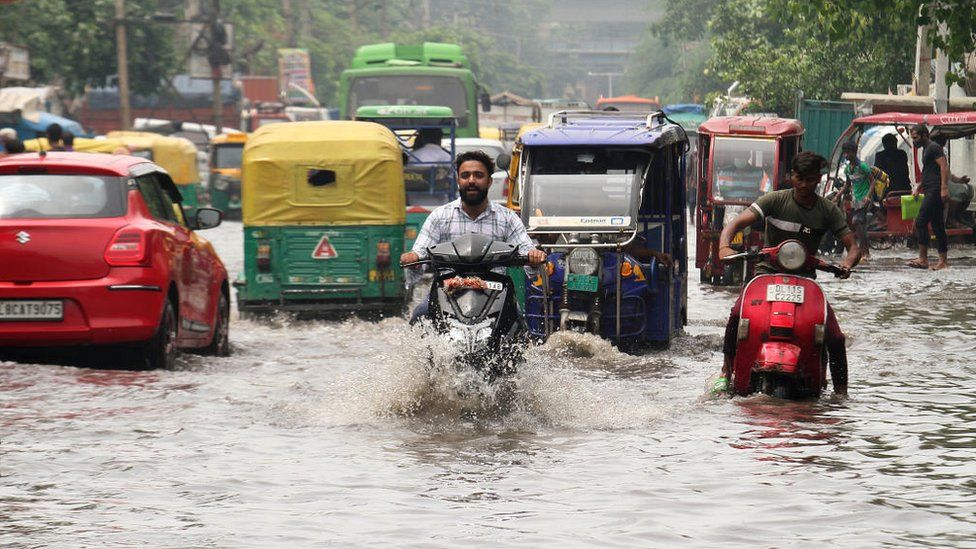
[318, 434]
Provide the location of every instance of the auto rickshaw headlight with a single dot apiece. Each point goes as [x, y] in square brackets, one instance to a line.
[792, 255]
[584, 261]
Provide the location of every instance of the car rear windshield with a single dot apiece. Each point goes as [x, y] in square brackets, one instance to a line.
[40, 196]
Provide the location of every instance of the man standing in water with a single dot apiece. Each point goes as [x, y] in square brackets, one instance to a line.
[471, 213]
[935, 185]
[800, 214]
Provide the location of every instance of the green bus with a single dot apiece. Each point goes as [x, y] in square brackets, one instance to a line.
[433, 74]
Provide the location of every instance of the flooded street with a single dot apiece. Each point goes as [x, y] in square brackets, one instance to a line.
[317, 434]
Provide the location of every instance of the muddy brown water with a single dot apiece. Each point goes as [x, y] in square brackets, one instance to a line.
[323, 434]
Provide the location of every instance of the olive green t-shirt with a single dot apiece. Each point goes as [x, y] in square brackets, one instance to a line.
[786, 219]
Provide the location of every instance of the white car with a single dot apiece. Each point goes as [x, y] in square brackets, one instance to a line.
[494, 148]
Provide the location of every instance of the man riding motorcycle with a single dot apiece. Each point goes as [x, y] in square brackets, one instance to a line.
[798, 213]
[471, 213]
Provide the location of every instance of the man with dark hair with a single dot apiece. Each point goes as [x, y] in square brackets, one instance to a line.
[860, 182]
[68, 141]
[54, 134]
[800, 214]
[935, 185]
[894, 162]
[471, 213]
[15, 146]
[427, 147]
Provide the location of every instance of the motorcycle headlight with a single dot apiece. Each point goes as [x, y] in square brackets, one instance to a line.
[221, 183]
[792, 255]
[584, 261]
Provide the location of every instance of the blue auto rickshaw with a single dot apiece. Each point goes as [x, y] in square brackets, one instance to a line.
[603, 193]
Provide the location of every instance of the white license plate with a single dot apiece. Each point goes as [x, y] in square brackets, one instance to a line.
[492, 285]
[784, 292]
[31, 310]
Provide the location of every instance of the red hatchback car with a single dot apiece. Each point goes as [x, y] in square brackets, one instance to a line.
[96, 250]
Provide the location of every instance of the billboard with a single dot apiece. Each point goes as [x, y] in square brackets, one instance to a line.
[295, 67]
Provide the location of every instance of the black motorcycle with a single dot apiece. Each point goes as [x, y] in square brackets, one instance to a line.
[473, 306]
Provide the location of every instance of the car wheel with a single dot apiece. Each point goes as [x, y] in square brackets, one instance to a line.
[160, 351]
[220, 344]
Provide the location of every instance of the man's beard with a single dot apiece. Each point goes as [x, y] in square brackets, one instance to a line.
[474, 199]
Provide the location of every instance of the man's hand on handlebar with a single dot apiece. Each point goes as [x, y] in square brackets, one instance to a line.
[409, 257]
[535, 257]
[843, 272]
[725, 251]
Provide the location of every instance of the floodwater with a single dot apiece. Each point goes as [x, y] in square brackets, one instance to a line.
[323, 434]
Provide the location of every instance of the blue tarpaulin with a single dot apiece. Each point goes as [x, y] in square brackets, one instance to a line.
[34, 124]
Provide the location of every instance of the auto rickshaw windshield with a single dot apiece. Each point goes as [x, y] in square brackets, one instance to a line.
[584, 183]
[743, 168]
[228, 156]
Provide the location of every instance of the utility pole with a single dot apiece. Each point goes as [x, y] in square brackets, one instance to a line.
[216, 31]
[123, 62]
[923, 61]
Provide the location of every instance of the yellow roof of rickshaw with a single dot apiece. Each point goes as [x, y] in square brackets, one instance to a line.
[527, 127]
[362, 163]
[81, 144]
[226, 138]
[177, 155]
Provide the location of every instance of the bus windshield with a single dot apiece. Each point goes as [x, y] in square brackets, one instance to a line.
[407, 89]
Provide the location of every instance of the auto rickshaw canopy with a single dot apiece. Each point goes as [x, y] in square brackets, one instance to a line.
[81, 144]
[323, 173]
[177, 155]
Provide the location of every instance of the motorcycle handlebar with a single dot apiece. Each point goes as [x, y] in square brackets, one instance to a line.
[517, 261]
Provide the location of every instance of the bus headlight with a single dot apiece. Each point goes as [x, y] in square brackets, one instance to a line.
[584, 261]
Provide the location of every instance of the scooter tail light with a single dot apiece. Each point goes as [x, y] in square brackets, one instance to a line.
[743, 332]
[129, 248]
[263, 258]
[819, 334]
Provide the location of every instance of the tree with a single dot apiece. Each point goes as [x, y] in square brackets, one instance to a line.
[953, 23]
[73, 43]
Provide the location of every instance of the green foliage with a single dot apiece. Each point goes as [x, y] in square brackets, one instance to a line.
[73, 42]
[953, 22]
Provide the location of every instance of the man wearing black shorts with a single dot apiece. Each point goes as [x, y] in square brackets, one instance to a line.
[935, 186]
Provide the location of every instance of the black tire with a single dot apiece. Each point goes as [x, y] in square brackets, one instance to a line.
[881, 243]
[160, 350]
[220, 343]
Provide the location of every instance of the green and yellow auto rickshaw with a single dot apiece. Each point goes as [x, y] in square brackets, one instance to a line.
[323, 212]
[226, 153]
[177, 155]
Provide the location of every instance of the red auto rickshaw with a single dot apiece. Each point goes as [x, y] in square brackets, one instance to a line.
[740, 158]
[888, 227]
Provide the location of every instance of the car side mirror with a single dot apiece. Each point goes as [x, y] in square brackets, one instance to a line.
[503, 161]
[208, 218]
[485, 101]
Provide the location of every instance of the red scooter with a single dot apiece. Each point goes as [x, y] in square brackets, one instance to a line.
[782, 326]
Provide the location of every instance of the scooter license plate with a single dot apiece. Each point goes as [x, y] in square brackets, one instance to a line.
[582, 283]
[784, 292]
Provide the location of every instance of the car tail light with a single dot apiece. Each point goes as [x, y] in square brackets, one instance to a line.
[128, 248]
[264, 258]
[383, 259]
